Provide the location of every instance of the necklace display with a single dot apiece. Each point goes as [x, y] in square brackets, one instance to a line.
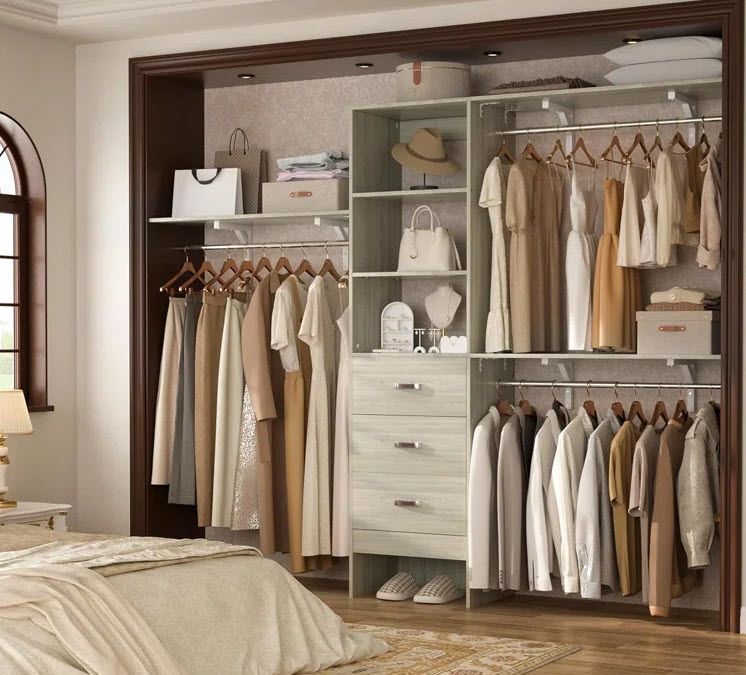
[442, 305]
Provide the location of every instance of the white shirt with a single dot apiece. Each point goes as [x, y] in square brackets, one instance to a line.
[283, 334]
[540, 543]
[566, 471]
[482, 505]
[671, 209]
[635, 186]
[497, 338]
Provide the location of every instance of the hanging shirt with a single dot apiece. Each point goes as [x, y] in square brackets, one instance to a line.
[635, 186]
[648, 257]
[708, 253]
[283, 337]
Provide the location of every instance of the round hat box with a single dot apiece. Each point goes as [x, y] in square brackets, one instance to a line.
[426, 80]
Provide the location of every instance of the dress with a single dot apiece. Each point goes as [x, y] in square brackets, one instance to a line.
[228, 414]
[671, 210]
[245, 514]
[317, 331]
[580, 260]
[616, 290]
[632, 219]
[497, 338]
[547, 220]
[649, 227]
[341, 486]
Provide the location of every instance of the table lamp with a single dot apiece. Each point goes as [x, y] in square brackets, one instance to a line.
[14, 420]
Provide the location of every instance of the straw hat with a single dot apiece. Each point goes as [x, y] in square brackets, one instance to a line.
[425, 153]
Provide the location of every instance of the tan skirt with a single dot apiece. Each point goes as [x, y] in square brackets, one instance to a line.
[206, 361]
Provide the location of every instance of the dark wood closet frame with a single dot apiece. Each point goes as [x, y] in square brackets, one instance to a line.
[167, 132]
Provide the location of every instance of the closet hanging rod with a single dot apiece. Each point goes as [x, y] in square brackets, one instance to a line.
[249, 247]
[606, 125]
[591, 384]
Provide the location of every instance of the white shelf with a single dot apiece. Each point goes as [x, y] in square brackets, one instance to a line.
[409, 275]
[417, 110]
[452, 194]
[334, 218]
[595, 356]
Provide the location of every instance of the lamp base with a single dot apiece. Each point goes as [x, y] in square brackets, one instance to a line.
[7, 504]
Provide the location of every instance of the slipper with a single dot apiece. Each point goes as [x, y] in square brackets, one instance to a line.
[401, 586]
[438, 591]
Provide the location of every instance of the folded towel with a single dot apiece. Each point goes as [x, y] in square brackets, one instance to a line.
[331, 159]
[301, 174]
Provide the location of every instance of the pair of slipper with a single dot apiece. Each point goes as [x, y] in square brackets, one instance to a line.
[437, 591]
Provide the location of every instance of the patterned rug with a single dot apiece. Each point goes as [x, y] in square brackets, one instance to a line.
[420, 652]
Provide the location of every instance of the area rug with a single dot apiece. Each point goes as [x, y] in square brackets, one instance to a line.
[421, 652]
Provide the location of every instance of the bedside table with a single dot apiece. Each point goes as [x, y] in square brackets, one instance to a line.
[50, 516]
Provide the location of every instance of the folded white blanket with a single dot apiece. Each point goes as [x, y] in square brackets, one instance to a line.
[303, 174]
[330, 159]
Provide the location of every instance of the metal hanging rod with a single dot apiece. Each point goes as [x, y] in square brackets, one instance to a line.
[590, 384]
[606, 125]
[249, 247]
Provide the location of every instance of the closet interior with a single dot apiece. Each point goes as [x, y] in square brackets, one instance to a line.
[413, 416]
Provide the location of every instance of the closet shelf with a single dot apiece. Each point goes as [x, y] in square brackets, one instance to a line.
[596, 356]
[333, 218]
[409, 275]
[439, 194]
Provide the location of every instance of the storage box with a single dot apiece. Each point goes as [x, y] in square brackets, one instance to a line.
[426, 80]
[300, 196]
[678, 333]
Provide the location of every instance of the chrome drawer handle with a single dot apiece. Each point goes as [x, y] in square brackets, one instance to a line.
[408, 502]
[408, 444]
[407, 385]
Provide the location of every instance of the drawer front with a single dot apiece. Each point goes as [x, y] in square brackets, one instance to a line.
[441, 546]
[409, 445]
[409, 503]
[302, 196]
[408, 385]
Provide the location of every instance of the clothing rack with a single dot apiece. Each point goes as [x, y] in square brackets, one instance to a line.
[590, 384]
[248, 247]
[605, 125]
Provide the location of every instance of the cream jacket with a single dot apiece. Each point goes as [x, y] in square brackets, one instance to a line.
[698, 487]
[708, 252]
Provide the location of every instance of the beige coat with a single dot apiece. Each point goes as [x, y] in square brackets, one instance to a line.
[708, 253]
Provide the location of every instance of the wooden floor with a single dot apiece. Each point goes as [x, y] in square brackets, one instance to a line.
[616, 639]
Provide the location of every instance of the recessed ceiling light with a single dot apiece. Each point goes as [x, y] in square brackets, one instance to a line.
[363, 66]
[631, 41]
[246, 76]
[493, 53]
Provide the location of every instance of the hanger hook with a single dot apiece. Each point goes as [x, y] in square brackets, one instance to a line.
[712, 396]
[657, 127]
[326, 249]
[616, 393]
[660, 396]
[303, 249]
[186, 253]
[681, 390]
[634, 390]
[588, 389]
[554, 396]
[520, 390]
[497, 384]
[528, 136]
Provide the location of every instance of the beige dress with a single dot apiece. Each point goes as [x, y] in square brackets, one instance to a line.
[317, 330]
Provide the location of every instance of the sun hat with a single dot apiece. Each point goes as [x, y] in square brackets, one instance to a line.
[425, 153]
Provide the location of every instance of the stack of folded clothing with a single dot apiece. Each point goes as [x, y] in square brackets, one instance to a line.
[678, 299]
[678, 58]
[318, 166]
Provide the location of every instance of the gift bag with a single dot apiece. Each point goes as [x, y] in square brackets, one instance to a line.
[207, 192]
[253, 165]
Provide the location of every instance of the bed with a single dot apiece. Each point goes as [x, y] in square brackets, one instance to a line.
[72, 603]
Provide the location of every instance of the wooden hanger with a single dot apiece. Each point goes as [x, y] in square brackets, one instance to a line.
[589, 405]
[617, 407]
[608, 154]
[530, 152]
[283, 264]
[264, 265]
[229, 265]
[657, 143]
[305, 267]
[703, 140]
[681, 414]
[504, 151]
[639, 142]
[503, 407]
[678, 139]
[557, 147]
[524, 405]
[245, 266]
[580, 145]
[187, 267]
[636, 411]
[204, 269]
[328, 267]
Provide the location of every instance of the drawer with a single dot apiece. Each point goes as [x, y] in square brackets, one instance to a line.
[442, 546]
[302, 196]
[428, 504]
[404, 444]
[408, 385]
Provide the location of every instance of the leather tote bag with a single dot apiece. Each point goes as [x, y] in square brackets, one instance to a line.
[207, 192]
[252, 163]
[427, 250]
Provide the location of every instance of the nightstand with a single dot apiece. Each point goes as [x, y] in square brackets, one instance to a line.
[50, 516]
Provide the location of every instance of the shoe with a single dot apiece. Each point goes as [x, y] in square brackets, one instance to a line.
[438, 591]
[401, 586]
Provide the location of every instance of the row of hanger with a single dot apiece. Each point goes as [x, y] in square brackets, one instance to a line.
[234, 276]
[635, 413]
[569, 160]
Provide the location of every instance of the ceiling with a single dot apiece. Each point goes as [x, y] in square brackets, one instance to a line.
[102, 20]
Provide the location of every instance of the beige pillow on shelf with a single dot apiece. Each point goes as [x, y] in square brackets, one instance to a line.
[666, 71]
[667, 49]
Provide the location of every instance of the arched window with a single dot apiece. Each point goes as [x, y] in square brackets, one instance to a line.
[23, 330]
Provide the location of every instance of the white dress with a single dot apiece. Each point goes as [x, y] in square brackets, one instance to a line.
[229, 414]
[497, 338]
[580, 261]
[317, 330]
[482, 503]
[671, 209]
[341, 487]
[168, 389]
[630, 228]
[649, 228]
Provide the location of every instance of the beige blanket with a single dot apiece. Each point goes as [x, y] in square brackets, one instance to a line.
[238, 614]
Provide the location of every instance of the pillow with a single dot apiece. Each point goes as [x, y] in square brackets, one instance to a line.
[667, 49]
[665, 71]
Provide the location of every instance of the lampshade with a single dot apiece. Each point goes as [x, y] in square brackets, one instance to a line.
[14, 417]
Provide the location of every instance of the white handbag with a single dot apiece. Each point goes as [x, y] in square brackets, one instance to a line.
[207, 192]
[430, 250]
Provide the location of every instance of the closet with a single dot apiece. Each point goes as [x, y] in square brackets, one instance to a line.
[413, 415]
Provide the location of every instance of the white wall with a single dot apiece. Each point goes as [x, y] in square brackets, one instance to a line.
[37, 87]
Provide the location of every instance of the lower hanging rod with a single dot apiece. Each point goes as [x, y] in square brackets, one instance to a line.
[606, 125]
[249, 247]
[590, 384]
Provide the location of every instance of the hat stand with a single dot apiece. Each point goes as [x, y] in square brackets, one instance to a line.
[424, 185]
